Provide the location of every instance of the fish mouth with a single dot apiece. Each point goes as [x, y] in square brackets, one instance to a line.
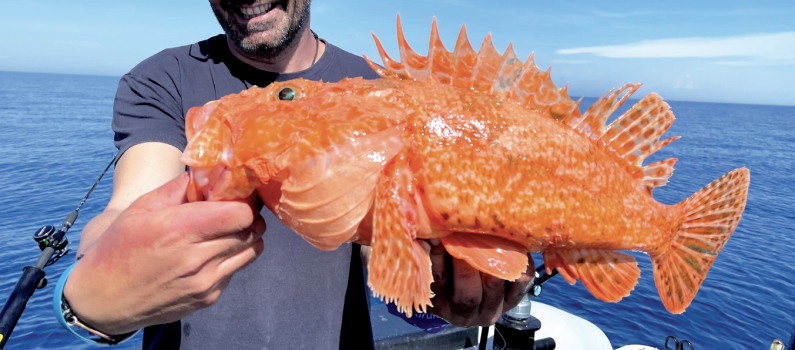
[247, 10]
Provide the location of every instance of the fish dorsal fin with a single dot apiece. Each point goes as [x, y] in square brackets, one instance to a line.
[632, 137]
[485, 71]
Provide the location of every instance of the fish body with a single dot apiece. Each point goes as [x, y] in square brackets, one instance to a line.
[477, 149]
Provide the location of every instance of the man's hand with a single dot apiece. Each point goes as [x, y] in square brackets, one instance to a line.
[163, 258]
[466, 297]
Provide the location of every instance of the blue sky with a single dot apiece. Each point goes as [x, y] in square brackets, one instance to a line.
[711, 51]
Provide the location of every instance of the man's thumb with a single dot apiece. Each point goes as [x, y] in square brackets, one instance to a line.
[169, 194]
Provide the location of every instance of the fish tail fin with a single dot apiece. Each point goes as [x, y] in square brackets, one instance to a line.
[710, 217]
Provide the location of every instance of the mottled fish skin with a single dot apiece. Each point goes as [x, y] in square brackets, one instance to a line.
[477, 149]
[514, 173]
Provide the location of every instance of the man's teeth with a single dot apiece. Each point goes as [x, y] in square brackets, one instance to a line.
[251, 12]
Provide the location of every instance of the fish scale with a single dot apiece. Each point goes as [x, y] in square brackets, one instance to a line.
[477, 149]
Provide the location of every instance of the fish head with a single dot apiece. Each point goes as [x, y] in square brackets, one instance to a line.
[240, 142]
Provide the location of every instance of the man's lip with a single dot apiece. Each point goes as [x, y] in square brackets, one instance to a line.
[250, 11]
[256, 3]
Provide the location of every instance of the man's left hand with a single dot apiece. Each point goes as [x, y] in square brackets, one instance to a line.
[466, 297]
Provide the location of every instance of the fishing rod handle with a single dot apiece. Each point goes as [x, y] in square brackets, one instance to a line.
[16, 302]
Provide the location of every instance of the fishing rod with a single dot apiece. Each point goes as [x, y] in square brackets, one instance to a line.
[53, 245]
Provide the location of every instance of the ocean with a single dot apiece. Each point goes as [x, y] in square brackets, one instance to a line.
[56, 139]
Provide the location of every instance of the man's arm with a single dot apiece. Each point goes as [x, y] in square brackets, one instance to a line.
[141, 169]
[151, 257]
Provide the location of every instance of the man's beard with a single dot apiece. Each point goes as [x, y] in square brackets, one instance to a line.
[285, 37]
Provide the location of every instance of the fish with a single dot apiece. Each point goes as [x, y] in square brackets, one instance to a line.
[478, 150]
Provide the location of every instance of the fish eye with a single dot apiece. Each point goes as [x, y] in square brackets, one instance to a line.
[288, 93]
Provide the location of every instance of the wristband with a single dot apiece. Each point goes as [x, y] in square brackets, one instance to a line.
[67, 318]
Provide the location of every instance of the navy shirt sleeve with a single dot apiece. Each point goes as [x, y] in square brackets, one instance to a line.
[148, 105]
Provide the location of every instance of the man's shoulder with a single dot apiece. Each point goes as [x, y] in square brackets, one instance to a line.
[342, 63]
[172, 58]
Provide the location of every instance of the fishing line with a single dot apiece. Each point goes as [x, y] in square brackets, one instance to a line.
[97, 182]
[53, 245]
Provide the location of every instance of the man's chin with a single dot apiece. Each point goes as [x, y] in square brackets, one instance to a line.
[262, 45]
[261, 33]
[264, 39]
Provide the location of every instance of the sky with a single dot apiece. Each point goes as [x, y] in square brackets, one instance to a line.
[705, 51]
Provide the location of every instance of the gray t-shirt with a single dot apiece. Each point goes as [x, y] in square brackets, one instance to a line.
[294, 295]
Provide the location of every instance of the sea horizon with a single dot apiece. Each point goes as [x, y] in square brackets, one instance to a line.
[573, 97]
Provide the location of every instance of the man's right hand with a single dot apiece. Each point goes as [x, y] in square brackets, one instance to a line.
[163, 258]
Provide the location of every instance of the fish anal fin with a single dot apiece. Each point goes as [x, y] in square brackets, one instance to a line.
[496, 256]
[710, 217]
[399, 269]
[607, 274]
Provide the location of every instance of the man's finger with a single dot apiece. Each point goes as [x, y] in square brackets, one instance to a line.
[201, 221]
[517, 289]
[225, 246]
[468, 289]
[241, 259]
[493, 298]
[438, 267]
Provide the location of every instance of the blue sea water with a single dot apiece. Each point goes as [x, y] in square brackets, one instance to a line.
[55, 139]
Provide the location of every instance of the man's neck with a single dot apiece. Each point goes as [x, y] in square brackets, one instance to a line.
[295, 59]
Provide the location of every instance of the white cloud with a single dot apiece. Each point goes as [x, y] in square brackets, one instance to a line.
[754, 63]
[778, 48]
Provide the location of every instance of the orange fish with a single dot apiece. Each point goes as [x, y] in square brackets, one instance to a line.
[477, 149]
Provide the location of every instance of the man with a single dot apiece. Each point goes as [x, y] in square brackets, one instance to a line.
[153, 260]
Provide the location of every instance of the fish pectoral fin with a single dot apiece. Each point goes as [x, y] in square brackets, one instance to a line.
[496, 256]
[399, 269]
[607, 274]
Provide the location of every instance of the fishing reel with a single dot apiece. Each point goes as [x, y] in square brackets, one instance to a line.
[44, 237]
[516, 329]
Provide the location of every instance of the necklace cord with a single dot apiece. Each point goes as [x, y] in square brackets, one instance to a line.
[317, 47]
